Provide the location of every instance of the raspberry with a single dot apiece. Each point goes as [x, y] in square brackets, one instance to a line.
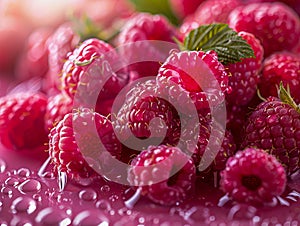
[183, 8]
[281, 67]
[275, 127]
[22, 120]
[74, 135]
[186, 70]
[58, 106]
[253, 176]
[141, 106]
[245, 75]
[212, 11]
[89, 68]
[164, 173]
[217, 142]
[61, 42]
[143, 27]
[276, 25]
[34, 61]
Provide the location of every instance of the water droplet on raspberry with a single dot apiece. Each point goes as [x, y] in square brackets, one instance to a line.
[23, 205]
[103, 205]
[88, 195]
[23, 172]
[62, 180]
[30, 185]
[2, 166]
[91, 217]
[53, 216]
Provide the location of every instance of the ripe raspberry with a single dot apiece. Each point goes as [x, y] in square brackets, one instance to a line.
[34, 61]
[22, 120]
[143, 27]
[73, 135]
[281, 67]
[89, 68]
[183, 8]
[61, 42]
[58, 106]
[141, 106]
[245, 74]
[276, 25]
[213, 147]
[164, 173]
[202, 82]
[275, 127]
[212, 11]
[253, 176]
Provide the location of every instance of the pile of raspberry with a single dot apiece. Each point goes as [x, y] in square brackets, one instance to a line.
[204, 111]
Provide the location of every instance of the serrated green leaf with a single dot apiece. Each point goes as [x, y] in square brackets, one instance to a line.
[156, 7]
[285, 97]
[230, 47]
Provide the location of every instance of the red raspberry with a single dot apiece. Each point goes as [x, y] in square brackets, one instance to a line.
[217, 143]
[58, 106]
[143, 27]
[253, 176]
[165, 174]
[212, 11]
[141, 106]
[184, 68]
[22, 120]
[281, 67]
[34, 61]
[89, 68]
[183, 8]
[245, 75]
[62, 41]
[275, 127]
[74, 135]
[276, 25]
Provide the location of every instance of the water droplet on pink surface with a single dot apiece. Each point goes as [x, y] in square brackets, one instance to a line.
[91, 217]
[23, 172]
[88, 195]
[30, 185]
[23, 204]
[84, 181]
[20, 221]
[242, 211]
[113, 198]
[7, 191]
[124, 211]
[103, 205]
[11, 181]
[37, 197]
[2, 166]
[52, 216]
[105, 188]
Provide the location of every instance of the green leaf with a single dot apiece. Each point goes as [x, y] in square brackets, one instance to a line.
[156, 7]
[285, 97]
[230, 47]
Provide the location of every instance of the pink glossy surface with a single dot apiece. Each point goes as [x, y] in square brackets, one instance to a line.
[26, 197]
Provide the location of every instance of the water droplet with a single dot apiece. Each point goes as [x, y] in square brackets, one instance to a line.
[11, 181]
[112, 212]
[88, 195]
[113, 198]
[23, 172]
[133, 200]
[223, 200]
[124, 211]
[105, 188]
[52, 216]
[2, 166]
[37, 197]
[18, 220]
[103, 205]
[83, 181]
[7, 191]
[62, 180]
[30, 185]
[242, 211]
[43, 168]
[141, 220]
[23, 204]
[91, 217]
